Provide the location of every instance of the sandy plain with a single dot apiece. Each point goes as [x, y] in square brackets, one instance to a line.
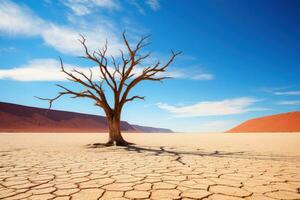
[212, 166]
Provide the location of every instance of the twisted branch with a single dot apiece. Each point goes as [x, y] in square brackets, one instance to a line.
[120, 80]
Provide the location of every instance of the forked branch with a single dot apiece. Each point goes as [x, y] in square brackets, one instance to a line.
[120, 78]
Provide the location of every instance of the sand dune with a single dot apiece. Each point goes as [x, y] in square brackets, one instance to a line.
[19, 118]
[285, 122]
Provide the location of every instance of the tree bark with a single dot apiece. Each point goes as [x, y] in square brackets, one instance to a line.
[120, 80]
[115, 137]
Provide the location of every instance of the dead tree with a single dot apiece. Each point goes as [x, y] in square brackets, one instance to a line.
[120, 78]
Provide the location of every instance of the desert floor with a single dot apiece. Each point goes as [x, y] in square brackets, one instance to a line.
[259, 166]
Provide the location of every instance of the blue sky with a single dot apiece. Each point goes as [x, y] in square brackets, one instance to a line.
[241, 59]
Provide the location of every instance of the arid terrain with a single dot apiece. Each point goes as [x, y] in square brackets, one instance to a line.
[161, 166]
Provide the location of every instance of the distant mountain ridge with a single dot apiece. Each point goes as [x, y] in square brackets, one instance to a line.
[19, 118]
[148, 129]
[284, 122]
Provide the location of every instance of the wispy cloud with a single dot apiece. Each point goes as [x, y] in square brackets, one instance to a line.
[180, 74]
[213, 108]
[85, 7]
[280, 91]
[202, 77]
[46, 70]
[49, 70]
[290, 103]
[153, 4]
[65, 39]
[187, 67]
[290, 93]
[7, 49]
[37, 70]
[271, 89]
[199, 76]
[139, 5]
[19, 20]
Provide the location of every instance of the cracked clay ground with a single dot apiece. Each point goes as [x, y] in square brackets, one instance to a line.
[161, 166]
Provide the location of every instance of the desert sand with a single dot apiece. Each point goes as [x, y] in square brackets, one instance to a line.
[261, 166]
[283, 122]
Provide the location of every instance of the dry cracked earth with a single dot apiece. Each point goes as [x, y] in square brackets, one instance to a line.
[140, 172]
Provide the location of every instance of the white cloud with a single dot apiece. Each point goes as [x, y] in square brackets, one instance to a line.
[42, 70]
[176, 73]
[182, 69]
[35, 70]
[84, 7]
[212, 108]
[153, 4]
[280, 91]
[65, 40]
[139, 8]
[62, 39]
[16, 20]
[202, 77]
[19, 20]
[271, 89]
[291, 103]
[7, 49]
[49, 70]
[288, 93]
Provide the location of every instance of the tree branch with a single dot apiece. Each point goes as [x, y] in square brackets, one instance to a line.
[148, 74]
[120, 78]
[135, 97]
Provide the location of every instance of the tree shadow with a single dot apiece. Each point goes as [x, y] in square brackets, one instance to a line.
[178, 154]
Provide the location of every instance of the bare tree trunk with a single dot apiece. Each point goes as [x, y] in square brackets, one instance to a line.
[115, 136]
[120, 81]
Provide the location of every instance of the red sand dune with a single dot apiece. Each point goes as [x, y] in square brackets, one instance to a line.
[19, 118]
[285, 122]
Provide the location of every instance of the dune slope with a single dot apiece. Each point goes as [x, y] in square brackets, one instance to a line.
[19, 118]
[285, 122]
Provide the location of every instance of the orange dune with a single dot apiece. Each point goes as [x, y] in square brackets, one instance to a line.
[285, 122]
